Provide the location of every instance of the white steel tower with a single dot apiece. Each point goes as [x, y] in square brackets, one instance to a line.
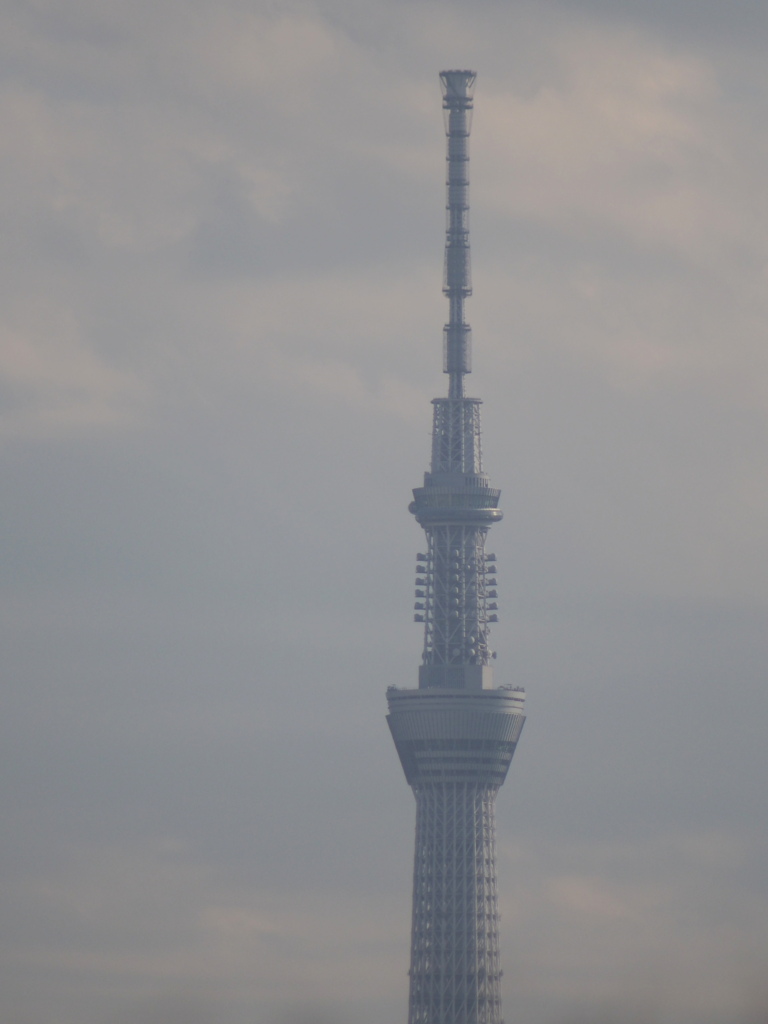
[455, 734]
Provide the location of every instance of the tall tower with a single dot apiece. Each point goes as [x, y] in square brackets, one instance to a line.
[455, 734]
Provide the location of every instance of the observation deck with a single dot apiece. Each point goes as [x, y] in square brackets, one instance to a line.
[452, 735]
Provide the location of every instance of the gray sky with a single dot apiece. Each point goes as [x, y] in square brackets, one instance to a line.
[220, 329]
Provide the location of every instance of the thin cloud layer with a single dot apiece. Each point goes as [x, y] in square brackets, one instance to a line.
[220, 330]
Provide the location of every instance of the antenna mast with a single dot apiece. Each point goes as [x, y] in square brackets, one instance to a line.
[457, 281]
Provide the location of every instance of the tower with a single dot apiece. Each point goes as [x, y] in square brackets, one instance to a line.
[455, 734]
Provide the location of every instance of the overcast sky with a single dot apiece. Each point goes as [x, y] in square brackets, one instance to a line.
[220, 331]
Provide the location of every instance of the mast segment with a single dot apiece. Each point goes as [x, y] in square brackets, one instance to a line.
[457, 284]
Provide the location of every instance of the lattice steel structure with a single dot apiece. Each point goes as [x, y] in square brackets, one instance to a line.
[455, 734]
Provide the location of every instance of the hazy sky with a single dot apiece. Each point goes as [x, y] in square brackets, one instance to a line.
[221, 326]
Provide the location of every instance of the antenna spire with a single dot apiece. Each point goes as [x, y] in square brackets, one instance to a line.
[457, 282]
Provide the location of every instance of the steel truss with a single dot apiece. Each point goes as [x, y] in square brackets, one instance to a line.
[456, 627]
[455, 971]
[456, 446]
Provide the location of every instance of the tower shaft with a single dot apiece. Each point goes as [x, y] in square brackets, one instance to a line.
[455, 970]
[455, 748]
[455, 734]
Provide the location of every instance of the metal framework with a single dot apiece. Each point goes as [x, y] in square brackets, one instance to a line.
[456, 734]
[454, 894]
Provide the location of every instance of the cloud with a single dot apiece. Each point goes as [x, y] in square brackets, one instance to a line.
[221, 327]
[144, 919]
[616, 937]
[623, 139]
[53, 385]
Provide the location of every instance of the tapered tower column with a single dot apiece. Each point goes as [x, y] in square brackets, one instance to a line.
[456, 734]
